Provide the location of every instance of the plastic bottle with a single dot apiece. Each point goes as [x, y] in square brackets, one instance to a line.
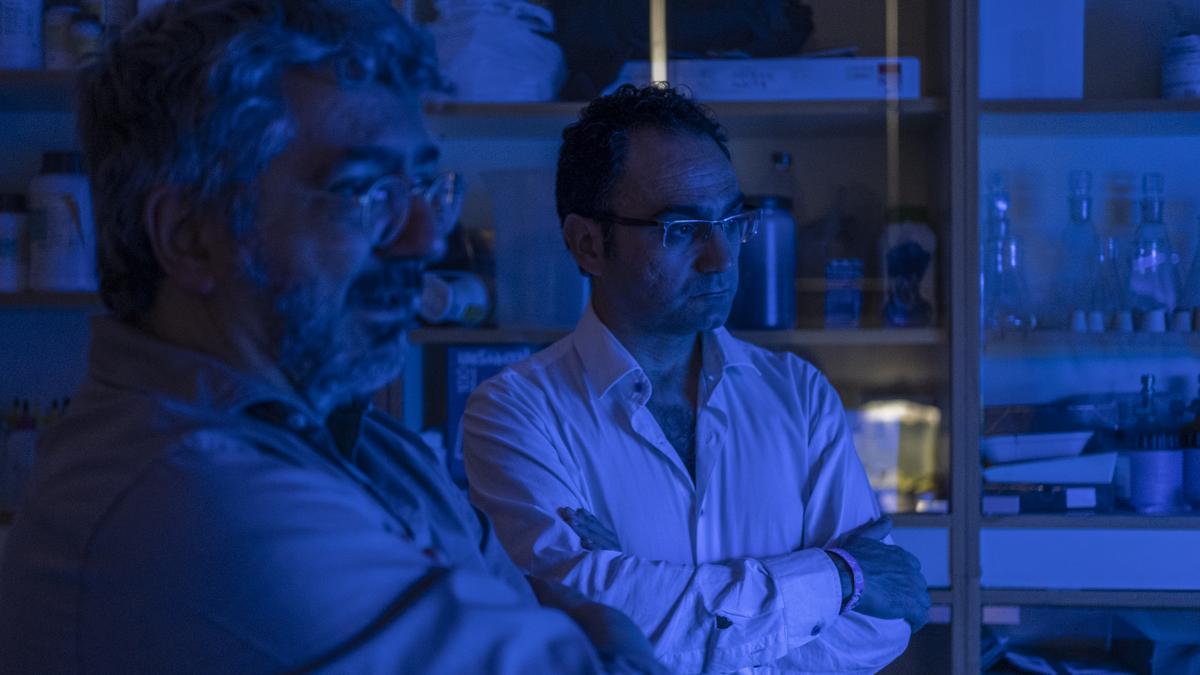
[20, 34]
[454, 297]
[908, 251]
[61, 230]
[14, 266]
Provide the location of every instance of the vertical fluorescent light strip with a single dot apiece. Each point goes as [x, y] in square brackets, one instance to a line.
[892, 107]
[658, 40]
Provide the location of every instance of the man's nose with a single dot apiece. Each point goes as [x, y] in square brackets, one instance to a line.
[420, 237]
[717, 252]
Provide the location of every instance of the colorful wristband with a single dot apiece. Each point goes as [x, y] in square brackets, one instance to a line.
[856, 573]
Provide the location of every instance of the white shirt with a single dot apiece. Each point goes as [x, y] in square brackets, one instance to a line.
[723, 574]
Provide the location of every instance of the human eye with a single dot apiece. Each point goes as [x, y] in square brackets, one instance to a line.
[680, 232]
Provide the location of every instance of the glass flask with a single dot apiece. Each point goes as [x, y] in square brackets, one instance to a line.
[1080, 253]
[1005, 293]
[1109, 295]
[1153, 264]
[1191, 288]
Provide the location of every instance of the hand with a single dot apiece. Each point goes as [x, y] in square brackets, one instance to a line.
[593, 534]
[622, 646]
[894, 586]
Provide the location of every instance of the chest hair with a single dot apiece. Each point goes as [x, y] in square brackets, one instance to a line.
[678, 422]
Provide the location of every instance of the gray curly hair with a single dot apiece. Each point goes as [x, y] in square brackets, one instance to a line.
[191, 96]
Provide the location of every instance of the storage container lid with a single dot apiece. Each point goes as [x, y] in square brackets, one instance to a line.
[12, 203]
[62, 162]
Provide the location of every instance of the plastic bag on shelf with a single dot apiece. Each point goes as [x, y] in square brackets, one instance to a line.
[498, 50]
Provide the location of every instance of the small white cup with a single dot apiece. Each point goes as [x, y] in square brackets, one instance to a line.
[1154, 321]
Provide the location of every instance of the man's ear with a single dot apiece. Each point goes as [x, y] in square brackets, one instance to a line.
[182, 244]
[585, 239]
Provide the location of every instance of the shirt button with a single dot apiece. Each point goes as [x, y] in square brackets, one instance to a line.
[723, 622]
[816, 629]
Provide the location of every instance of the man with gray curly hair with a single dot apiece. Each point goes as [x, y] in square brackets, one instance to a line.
[222, 498]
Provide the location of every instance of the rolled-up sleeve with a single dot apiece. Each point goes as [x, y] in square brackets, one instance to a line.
[239, 561]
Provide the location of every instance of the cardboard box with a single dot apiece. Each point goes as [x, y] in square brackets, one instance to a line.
[1030, 49]
[820, 78]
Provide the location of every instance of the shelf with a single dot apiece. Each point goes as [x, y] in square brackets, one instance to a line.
[37, 90]
[782, 338]
[42, 90]
[1083, 117]
[1060, 598]
[940, 520]
[1099, 521]
[1089, 106]
[1066, 343]
[41, 300]
[740, 118]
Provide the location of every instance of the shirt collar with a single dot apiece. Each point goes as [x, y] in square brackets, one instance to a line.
[607, 362]
[604, 357]
[721, 351]
[126, 357]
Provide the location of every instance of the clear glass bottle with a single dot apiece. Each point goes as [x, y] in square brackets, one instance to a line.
[1110, 295]
[1079, 263]
[1190, 299]
[1153, 264]
[1005, 293]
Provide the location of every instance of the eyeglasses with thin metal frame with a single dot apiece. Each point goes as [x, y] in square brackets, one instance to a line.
[385, 206]
[739, 227]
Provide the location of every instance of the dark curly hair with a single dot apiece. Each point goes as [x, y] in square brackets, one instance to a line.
[593, 152]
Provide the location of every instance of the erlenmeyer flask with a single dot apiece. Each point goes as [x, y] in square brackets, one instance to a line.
[1079, 257]
[1153, 265]
[1190, 299]
[1005, 293]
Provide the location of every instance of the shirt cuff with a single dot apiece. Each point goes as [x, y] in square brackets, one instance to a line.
[811, 591]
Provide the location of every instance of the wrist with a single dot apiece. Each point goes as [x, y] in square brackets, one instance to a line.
[854, 581]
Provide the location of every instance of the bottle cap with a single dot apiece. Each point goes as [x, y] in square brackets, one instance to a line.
[62, 162]
[12, 203]
[910, 213]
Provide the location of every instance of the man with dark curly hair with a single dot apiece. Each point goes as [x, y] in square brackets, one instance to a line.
[707, 487]
[222, 497]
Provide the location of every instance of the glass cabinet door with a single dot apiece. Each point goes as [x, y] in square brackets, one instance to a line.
[1089, 296]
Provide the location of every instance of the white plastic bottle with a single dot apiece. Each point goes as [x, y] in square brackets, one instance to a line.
[20, 34]
[62, 240]
[14, 271]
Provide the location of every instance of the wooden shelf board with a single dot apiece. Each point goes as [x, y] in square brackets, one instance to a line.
[782, 338]
[1089, 106]
[1067, 343]
[44, 300]
[1086, 598]
[740, 118]
[936, 520]
[1096, 521]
